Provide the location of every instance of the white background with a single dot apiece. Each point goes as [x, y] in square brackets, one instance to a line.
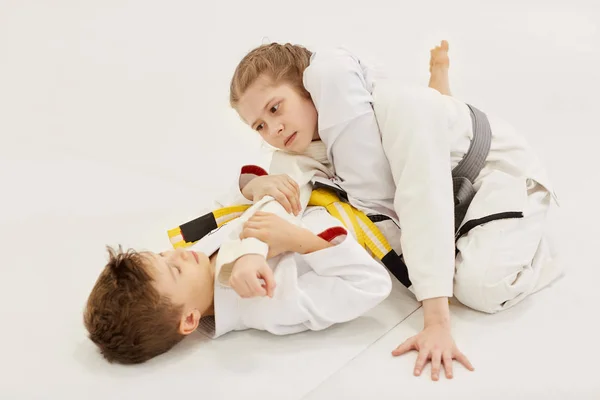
[115, 126]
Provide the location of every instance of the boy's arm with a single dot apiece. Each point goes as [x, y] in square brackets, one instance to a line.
[299, 168]
[343, 283]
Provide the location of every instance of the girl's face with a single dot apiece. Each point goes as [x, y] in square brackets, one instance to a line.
[284, 118]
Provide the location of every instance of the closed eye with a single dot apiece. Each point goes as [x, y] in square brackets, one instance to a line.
[171, 265]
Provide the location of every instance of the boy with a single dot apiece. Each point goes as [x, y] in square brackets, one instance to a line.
[396, 153]
[144, 303]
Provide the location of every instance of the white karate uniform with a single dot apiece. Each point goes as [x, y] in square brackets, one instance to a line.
[423, 135]
[393, 149]
[313, 291]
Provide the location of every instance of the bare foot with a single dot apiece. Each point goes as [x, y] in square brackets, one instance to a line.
[439, 63]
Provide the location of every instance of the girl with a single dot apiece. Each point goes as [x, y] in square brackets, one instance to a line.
[394, 152]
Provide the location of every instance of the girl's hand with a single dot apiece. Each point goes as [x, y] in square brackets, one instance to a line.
[281, 187]
[434, 343]
[279, 234]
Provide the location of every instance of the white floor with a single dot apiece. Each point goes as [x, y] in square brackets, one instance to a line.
[115, 126]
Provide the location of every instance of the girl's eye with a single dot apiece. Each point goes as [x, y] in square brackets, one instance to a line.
[259, 127]
[275, 108]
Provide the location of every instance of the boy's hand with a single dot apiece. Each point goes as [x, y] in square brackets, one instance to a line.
[246, 277]
[279, 234]
[281, 187]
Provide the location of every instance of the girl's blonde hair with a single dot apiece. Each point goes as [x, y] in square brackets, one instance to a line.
[283, 63]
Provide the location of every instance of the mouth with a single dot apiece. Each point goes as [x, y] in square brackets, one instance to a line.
[288, 142]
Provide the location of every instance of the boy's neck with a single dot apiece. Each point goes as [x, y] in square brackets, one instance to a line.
[213, 263]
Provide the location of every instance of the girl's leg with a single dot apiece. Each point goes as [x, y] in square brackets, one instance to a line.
[502, 262]
[439, 63]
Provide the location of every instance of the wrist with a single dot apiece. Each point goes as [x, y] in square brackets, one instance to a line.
[300, 242]
[249, 258]
[436, 311]
[307, 242]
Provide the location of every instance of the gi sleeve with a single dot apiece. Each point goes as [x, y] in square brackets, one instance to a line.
[343, 283]
[414, 125]
[299, 168]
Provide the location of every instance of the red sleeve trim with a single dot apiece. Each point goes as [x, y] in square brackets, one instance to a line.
[253, 170]
[333, 233]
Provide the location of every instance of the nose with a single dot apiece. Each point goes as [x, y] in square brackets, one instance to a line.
[277, 129]
[183, 254]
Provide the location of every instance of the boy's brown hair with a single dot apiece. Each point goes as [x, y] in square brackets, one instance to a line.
[283, 63]
[126, 316]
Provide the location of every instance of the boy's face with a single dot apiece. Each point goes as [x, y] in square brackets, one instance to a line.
[187, 279]
[285, 119]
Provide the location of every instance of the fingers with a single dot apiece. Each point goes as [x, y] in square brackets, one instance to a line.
[254, 288]
[445, 46]
[288, 188]
[294, 185]
[282, 199]
[421, 361]
[283, 189]
[254, 222]
[294, 199]
[254, 226]
[404, 348]
[252, 233]
[460, 357]
[296, 191]
[290, 183]
[259, 218]
[267, 276]
[436, 361]
[447, 359]
[247, 289]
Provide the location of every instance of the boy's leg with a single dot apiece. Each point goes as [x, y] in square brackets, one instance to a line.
[439, 63]
[502, 262]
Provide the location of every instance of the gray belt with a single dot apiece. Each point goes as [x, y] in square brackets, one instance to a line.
[467, 170]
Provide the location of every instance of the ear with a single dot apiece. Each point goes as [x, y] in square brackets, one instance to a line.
[189, 322]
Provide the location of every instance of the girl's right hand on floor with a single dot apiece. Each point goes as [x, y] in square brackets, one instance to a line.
[281, 187]
[435, 341]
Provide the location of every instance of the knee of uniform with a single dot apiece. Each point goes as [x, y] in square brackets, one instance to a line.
[469, 289]
[485, 287]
